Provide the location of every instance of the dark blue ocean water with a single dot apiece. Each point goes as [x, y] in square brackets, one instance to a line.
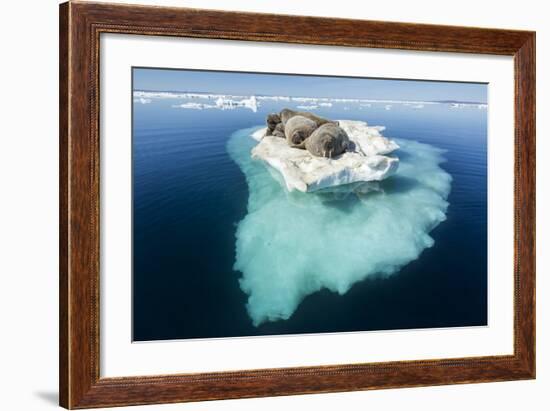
[188, 196]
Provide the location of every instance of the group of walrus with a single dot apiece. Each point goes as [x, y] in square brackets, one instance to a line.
[319, 136]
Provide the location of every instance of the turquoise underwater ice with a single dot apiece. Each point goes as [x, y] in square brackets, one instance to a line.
[291, 245]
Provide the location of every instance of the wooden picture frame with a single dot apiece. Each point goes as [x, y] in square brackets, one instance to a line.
[80, 27]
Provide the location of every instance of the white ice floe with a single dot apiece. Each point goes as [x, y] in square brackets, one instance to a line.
[193, 106]
[308, 107]
[142, 100]
[223, 103]
[415, 106]
[274, 98]
[305, 172]
[368, 139]
[305, 99]
[480, 106]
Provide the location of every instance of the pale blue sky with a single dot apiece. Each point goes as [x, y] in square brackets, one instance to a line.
[305, 86]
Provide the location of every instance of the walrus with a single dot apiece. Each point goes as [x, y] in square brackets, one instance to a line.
[286, 114]
[329, 140]
[272, 120]
[298, 129]
[279, 131]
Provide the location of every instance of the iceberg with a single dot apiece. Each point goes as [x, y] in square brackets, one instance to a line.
[480, 106]
[193, 106]
[368, 139]
[142, 100]
[291, 244]
[305, 172]
[225, 103]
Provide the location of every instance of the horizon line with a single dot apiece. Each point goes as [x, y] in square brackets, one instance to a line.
[301, 96]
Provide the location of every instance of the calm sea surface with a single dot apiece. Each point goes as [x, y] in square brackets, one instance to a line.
[188, 196]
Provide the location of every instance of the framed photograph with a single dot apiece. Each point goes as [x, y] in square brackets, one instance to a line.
[259, 205]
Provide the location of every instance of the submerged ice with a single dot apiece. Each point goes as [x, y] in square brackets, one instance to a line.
[293, 244]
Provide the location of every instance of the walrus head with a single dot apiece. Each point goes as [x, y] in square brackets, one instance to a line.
[297, 130]
[272, 120]
[298, 137]
[334, 147]
[329, 146]
[328, 141]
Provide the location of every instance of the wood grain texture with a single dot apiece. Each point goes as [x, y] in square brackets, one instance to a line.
[525, 203]
[80, 27]
[63, 205]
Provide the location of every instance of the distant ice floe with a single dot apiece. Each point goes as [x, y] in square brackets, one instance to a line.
[290, 245]
[142, 100]
[274, 98]
[193, 106]
[305, 99]
[414, 105]
[468, 105]
[200, 101]
[223, 103]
